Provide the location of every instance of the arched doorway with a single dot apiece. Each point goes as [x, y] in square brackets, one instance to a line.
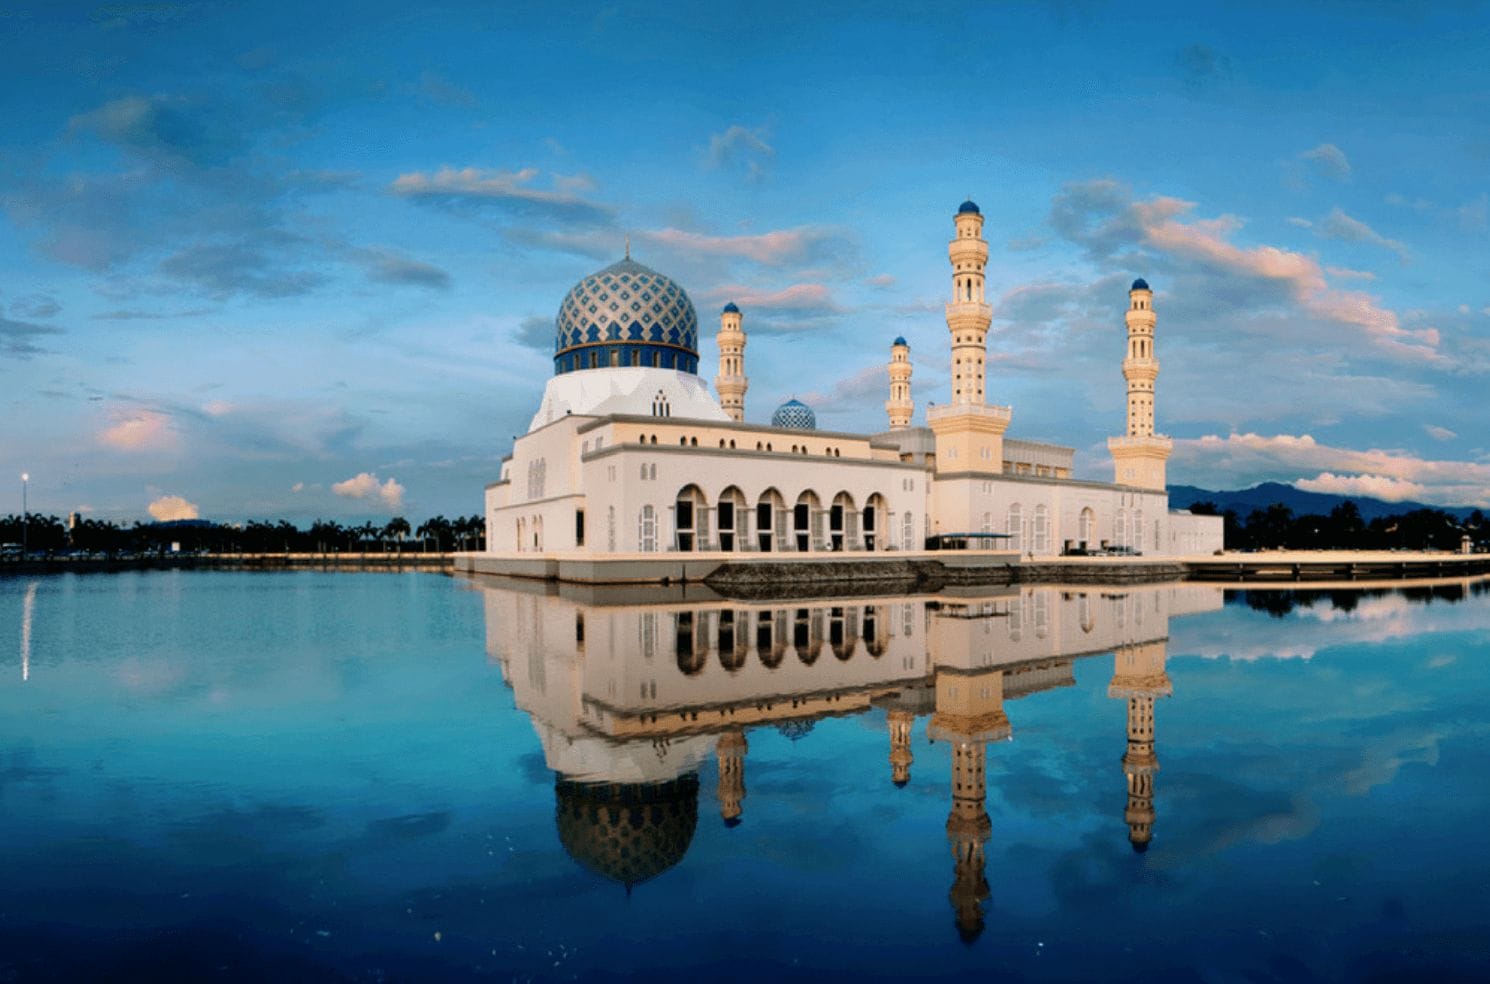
[876, 514]
[843, 532]
[1088, 528]
[807, 523]
[730, 519]
[770, 520]
[690, 523]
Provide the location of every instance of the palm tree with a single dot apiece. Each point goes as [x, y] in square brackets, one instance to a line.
[397, 527]
[365, 532]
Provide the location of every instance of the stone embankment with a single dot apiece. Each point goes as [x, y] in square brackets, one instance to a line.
[762, 580]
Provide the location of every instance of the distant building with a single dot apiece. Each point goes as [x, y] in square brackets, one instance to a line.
[629, 452]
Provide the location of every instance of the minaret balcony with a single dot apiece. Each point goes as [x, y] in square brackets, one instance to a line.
[974, 411]
[968, 312]
[1143, 442]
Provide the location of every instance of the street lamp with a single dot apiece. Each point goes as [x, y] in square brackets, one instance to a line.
[25, 514]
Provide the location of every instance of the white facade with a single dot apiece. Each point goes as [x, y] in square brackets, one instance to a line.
[635, 459]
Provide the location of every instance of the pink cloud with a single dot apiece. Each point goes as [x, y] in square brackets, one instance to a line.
[139, 430]
[798, 297]
[770, 248]
[1207, 241]
[1387, 474]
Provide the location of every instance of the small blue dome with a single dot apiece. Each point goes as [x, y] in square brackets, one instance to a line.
[968, 206]
[1140, 284]
[731, 309]
[794, 415]
[900, 340]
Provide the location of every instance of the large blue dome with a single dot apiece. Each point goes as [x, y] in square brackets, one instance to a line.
[968, 207]
[1140, 284]
[794, 415]
[626, 315]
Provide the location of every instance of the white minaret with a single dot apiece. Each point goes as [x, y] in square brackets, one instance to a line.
[968, 316]
[900, 407]
[969, 432]
[731, 382]
[1138, 457]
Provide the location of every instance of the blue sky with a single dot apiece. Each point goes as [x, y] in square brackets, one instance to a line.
[304, 260]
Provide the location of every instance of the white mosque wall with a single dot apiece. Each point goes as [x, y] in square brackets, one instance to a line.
[1042, 517]
[1191, 535]
[627, 476]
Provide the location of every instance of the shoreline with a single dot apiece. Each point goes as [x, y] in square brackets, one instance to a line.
[783, 575]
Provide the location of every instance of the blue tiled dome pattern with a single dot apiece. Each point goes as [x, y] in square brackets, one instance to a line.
[794, 415]
[631, 305]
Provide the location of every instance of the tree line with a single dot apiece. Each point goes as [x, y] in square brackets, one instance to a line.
[50, 535]
[1276, 527]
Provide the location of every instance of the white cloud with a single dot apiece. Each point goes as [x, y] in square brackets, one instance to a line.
[739, 145]
[298, 487]
[1338, 225]
[172, 507]
[1328, 160]
[1439, 433]
[1374, 486]
[514, 190]
[365, 485]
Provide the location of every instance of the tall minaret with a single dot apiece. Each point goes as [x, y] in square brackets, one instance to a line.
[731, 382]
[900, 406]
[1138, 676]
[968, 316]
[1138, 457]
[969, 432]
[729, 754]
[969, 714]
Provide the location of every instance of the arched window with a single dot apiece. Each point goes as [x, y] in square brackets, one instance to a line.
[1042, 530]
[1088, 527]
[1014, 526]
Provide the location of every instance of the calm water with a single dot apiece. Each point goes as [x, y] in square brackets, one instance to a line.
[384, 776]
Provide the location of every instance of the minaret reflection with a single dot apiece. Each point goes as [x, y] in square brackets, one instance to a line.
[730, 755]
[1138, 676]
[969, 714]
[901, 722]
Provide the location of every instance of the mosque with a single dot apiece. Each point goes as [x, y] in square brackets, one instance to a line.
[632, 697]
[630, 453]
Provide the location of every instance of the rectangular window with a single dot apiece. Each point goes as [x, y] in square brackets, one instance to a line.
[579, 527]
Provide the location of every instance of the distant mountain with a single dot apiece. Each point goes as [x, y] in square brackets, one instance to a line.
[1302, 503]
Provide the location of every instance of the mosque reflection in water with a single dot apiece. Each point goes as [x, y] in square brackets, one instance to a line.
[629, 697]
